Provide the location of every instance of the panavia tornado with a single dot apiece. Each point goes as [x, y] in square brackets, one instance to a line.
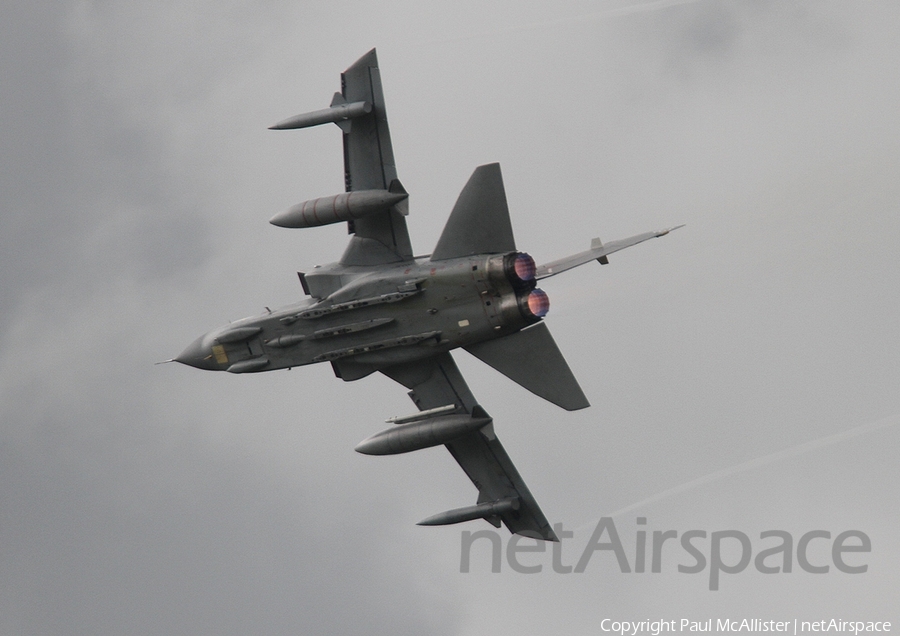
[380, 308]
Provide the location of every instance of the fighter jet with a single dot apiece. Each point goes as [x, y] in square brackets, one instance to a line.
[382, 309]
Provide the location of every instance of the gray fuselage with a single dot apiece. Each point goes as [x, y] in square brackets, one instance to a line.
[379, 316]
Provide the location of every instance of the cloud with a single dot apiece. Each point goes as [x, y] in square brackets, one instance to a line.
[138, 176]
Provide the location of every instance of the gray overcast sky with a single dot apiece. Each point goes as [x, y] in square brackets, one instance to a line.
[743, 371]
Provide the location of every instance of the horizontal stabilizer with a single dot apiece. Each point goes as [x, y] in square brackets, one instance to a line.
[599, 251]
[531, 359]
[479, 222]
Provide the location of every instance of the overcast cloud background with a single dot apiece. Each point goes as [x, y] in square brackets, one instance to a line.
[137, 180]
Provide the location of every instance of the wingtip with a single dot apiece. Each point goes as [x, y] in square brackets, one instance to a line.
[544, 534]
[284, 124]
[671, 229]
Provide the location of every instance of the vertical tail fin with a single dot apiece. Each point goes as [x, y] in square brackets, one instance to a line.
[479, 222]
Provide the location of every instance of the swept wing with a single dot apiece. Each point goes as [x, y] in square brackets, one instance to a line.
[359, 110]
[598, 252]
[381, 309]
[502, 494]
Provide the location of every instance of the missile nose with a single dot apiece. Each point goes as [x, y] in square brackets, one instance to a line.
[199, 354]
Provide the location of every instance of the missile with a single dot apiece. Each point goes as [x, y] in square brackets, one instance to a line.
[323, 309]
[339, 207]
[478, 511]
[421, 434]
[421, 415]
[340, 111]
[247, 366]
[238, 334]
[402, 341]
[351, 328]
[289, 340]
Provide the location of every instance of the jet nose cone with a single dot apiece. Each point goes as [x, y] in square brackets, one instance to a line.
[198, 354]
